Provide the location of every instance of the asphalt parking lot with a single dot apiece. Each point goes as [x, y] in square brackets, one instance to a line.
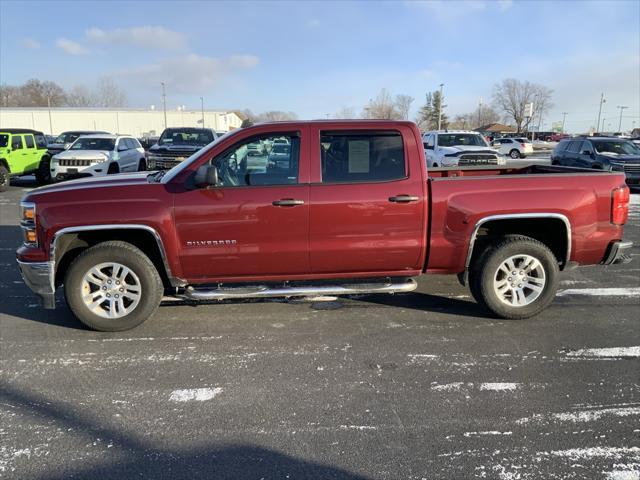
[415, 386]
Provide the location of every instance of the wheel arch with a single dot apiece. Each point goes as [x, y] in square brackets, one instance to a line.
[5, 163]
[68, 243]
[534, 225]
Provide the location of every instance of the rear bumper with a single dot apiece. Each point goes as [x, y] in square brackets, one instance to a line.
[616, 253]
[39, 277]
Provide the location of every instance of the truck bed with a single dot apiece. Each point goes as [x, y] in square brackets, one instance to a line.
[492, 170]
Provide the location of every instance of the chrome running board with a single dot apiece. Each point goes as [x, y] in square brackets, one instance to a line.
[263, 291]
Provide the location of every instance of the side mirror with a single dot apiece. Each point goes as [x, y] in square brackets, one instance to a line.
[427, 146]
[207, 176]
[122, 148]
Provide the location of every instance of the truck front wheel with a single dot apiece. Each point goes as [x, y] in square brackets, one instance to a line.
[516, 278]
[113, 286]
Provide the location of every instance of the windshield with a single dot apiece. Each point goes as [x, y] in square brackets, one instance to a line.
[4, 140]
[280, 148]
[66, 138]
[616, 148]
[172, 136]
[88, 143]
[460, 139]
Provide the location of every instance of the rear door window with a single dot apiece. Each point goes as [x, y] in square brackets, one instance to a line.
[16, 142]
[574, 146]
[41, 141]
[362, 157]
[29, 141]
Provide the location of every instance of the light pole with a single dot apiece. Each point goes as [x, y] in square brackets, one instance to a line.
[564, 116]
[621, 107]
[440, 107]
[602, 100]
[480, 113]
[202, 108]
[164, 104]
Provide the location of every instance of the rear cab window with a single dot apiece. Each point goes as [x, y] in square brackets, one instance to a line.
[352, 157]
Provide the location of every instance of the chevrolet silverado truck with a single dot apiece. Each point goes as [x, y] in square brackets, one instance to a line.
[353, 209]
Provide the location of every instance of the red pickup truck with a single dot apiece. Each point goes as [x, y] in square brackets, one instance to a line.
[310, 208]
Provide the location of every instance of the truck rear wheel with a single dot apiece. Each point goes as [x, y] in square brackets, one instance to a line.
[113, 286]
[43, 173]
[4, 178]
[515, 279]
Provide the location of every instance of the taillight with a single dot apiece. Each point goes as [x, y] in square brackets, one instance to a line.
[619, 205]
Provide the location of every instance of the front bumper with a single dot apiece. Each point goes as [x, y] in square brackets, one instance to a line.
[39, 277]
[616, 253]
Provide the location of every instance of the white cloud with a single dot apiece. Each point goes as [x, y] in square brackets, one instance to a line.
[188, 74]
[31, 43]
[144, 37]
[70, 47]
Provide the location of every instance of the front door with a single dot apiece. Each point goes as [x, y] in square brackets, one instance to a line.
[255, 223]
[367, 212]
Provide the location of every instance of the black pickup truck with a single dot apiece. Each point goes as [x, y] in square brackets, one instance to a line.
[177, 144]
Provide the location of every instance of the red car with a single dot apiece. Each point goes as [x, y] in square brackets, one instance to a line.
[353, 210]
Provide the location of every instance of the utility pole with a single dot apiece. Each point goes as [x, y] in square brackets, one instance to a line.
[49, 107]
[564, 116]
[602, 100]
[621, 107]
[202, 109]
[440, 108]
[480, 113]
[164, 104]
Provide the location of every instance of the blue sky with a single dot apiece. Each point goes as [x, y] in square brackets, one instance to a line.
[315, 58]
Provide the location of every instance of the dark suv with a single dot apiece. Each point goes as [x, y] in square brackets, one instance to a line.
[602, 153]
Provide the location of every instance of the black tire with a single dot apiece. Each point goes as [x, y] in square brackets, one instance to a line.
[4, 178]
[481, 279]
[43, 173]
[142, 165]
[113, 168]
[151, 287]
[514, 153]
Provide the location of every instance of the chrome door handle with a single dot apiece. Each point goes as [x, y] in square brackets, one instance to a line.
[287, 202]
[404, 198]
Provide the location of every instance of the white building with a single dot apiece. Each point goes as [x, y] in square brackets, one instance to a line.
[131, 121]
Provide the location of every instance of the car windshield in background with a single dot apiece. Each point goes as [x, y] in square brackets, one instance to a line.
[280, 148]
[177, 137]
[85, 143]
[66, 138]
[458, 139]
[522, 140]
[616, 148]
[4, 140]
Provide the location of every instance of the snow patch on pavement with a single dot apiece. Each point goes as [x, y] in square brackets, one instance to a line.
[584, 415]
[622, 475]
[490, 432]
[612, 352]
[194, 394]
[358, 427]
[499, 386]
[611, 453]
[601, 292]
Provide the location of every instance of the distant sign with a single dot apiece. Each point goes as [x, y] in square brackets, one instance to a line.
[528, 110]
[556, 127]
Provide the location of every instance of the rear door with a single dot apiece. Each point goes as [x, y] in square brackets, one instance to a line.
[256, 222]
[32, 152]
[367, 201]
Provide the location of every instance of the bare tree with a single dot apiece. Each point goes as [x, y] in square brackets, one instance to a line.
[483, 115]
[403, 105]
[108, 94]
[9, 96]
[511, 97]
[270, 116]
[79, 96]
[35, 93]
[382, 107]
[345, 113]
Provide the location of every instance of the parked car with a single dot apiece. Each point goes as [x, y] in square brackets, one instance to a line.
[176, 145]
[356, 211]
[97, 155]
[601, 153]
[65, 139]
[513, 147]
[254, 149]
[280, 155]
[22, 151]
[459, 148]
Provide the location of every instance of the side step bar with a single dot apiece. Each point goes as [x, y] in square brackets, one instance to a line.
[264, 291]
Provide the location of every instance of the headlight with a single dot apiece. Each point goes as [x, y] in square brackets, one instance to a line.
[28, 223]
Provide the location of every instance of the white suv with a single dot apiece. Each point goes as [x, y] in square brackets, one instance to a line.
[514, 147]
[96, 155]
[453, 148]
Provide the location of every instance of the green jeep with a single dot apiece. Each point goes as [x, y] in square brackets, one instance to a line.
[23, 151]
